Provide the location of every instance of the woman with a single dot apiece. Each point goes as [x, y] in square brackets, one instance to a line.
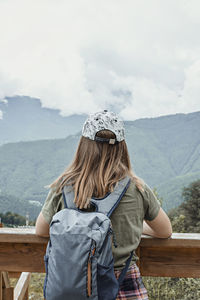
[100, 162]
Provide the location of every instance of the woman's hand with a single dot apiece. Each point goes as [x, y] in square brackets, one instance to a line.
[160, 227]
[41, 227]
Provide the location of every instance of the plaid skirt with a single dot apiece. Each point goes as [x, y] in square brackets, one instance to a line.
[132, 287]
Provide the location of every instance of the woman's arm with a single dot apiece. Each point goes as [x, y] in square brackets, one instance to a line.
[160, 227]
[41, 226]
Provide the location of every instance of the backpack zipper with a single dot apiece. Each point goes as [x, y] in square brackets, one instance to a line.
[89, 270]
[114, 239]
[110, 232]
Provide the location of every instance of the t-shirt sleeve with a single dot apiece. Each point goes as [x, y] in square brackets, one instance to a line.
[50, 206]
[151, 204]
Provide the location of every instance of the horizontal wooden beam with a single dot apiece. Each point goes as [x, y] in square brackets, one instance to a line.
[178, 256]
[21, 235]
[22, 251]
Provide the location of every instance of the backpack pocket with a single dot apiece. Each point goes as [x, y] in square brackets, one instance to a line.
[107, 283]
[71, 269]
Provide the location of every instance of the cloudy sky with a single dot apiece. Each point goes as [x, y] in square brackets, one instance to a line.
[139, 58]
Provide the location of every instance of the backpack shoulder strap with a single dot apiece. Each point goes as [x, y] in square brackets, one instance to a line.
[110, 202]
[105, 205]
[68, 197]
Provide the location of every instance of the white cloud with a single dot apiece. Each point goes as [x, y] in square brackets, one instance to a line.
[1, 115]
[191, 90]
[5, 101]
[140, 58]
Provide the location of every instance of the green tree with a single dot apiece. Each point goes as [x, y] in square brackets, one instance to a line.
[160, 199]
[178, 223]
[12, 219]
[190, 208]
[186, 217]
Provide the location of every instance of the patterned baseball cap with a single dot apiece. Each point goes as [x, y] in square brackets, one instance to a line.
[104, 120]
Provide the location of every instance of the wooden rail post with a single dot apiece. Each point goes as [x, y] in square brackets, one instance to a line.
[20, 292]
[6, 289]
[1, 286]
[21, 289]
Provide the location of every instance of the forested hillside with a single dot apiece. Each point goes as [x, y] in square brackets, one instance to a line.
[164, 151]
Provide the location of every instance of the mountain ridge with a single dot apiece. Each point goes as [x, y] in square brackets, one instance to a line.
[164, 151]
[25, 119]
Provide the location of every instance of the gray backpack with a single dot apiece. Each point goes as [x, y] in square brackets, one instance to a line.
[79, 261]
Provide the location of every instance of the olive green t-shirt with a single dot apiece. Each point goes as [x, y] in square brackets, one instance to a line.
[127, 219]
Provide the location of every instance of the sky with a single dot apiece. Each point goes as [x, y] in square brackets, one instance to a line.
[139, 58]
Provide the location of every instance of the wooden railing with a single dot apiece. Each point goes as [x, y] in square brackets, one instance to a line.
[22, 251]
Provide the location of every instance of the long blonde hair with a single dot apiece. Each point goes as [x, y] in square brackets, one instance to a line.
[96, 168]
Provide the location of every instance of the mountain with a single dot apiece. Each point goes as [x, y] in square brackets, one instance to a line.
[24, 119]
[164, 152]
